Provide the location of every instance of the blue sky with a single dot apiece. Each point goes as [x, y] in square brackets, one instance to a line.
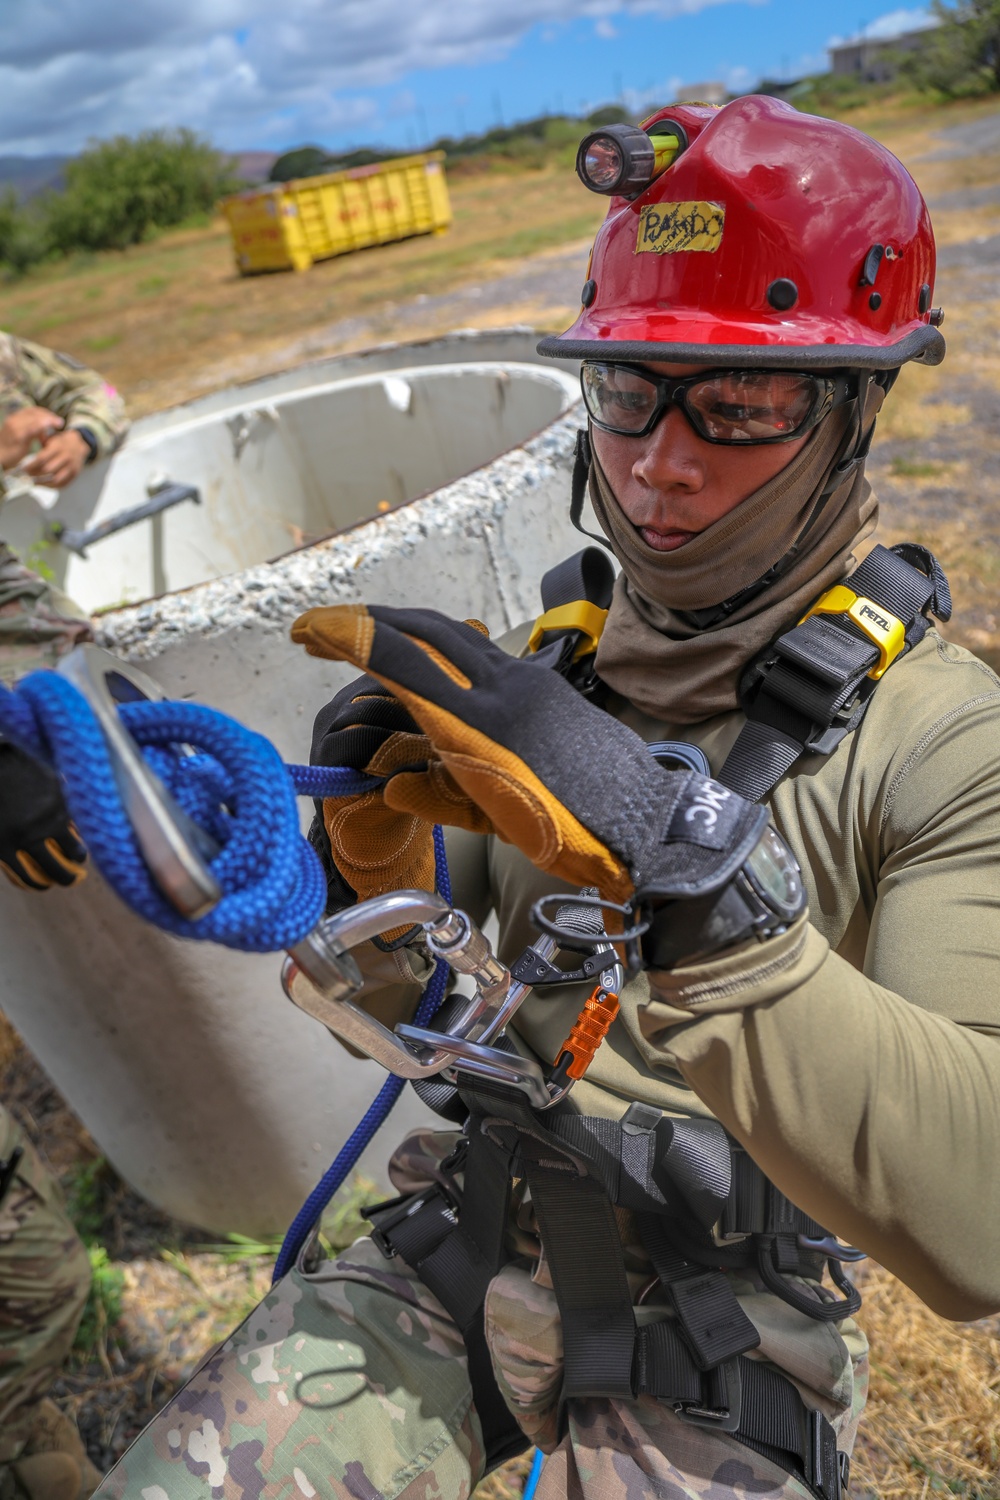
[253, 74]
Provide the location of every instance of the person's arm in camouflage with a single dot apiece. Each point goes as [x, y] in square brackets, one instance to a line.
[93, 414]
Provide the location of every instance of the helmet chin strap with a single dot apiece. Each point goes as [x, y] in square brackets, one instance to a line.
[853, 453]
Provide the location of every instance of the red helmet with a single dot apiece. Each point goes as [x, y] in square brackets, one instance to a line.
[774, 238]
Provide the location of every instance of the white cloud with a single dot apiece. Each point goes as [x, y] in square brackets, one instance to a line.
[245, 71]
[605, 29]
[888, 27]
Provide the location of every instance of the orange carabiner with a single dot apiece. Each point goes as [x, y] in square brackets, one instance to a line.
[589, 1030]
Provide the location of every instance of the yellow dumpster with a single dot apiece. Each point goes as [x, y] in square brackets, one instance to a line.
[291, 224]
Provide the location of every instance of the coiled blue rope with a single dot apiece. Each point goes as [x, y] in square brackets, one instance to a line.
[378, 1111]
[236, 787]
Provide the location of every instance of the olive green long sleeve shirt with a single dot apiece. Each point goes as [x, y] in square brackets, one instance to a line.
[856, 1057]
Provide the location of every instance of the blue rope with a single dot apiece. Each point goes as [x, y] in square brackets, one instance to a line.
[534, 1475]
[378, 1111]
[237, 787]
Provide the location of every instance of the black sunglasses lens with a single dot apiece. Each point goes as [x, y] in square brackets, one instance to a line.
[728, 406]
[752, 406]
[618, 398]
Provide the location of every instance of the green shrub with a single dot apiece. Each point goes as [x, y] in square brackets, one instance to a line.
[23, 240]
[117, 192]
[610, 114]
[961, 57]
[104, 1304]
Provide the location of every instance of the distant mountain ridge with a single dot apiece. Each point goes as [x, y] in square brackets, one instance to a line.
[29, 175]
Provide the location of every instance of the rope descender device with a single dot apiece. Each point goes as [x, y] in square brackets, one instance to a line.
[319, 974]
[176, 849]
[467, 1041]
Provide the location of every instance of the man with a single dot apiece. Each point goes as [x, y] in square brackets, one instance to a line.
[56, 417]
[650, 1307]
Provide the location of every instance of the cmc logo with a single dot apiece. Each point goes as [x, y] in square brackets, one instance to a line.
[707, 803]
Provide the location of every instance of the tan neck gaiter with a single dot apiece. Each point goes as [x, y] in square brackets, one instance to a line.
[667, 666]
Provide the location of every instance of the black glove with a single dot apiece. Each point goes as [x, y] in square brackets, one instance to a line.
[39, 847]
[368, 844]
[574, 789]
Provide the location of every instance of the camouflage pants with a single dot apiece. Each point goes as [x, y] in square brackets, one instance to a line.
[349, 1382]
[38, 623]
[44, 1281]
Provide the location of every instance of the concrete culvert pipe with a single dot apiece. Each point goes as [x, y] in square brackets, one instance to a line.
[212, 1095]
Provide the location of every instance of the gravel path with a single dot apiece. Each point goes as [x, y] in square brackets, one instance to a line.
[975, 139]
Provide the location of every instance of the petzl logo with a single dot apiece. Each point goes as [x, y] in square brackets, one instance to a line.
[867, 613]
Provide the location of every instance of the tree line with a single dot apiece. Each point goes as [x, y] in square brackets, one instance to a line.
[116, 194]
[961, 56]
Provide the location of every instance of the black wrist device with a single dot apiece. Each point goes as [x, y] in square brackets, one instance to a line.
[763, 898]
[90, 440]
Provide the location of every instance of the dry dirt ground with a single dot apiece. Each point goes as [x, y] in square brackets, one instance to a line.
[167, 1295]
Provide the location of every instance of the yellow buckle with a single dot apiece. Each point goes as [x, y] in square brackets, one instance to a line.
[579, 615]
[881, 628]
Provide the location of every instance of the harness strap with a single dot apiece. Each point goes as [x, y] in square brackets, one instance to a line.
[576, 595]
[577, 1226]
[455, 1244]
[692, 1362]
[811, 687]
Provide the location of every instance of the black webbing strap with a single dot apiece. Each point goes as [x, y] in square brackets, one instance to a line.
[589, 575]
[456, 1261]
[775, 1422]
[811, 687]
[755, 1206]
[710, 1319]
[578, 1230]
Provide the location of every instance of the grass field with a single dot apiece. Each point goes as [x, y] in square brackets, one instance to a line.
[155, 318]
[171, 319]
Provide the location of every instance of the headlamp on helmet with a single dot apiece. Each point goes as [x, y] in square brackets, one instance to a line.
[622, 160]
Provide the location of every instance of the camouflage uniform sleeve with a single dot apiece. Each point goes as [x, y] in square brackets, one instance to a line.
[33, 375]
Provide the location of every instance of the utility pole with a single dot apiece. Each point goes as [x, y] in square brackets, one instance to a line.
[498, 107]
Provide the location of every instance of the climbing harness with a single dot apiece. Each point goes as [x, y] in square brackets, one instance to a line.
[165, 794]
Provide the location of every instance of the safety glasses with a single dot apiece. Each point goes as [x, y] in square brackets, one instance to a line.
[723, 406]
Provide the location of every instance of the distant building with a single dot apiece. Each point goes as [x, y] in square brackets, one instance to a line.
[702, 93]
[873, 56]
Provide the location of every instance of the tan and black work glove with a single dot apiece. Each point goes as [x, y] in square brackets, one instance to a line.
[576, 791]
[39, 846]
[367, 846]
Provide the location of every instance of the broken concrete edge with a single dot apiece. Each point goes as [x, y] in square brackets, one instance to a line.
[267, 597]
